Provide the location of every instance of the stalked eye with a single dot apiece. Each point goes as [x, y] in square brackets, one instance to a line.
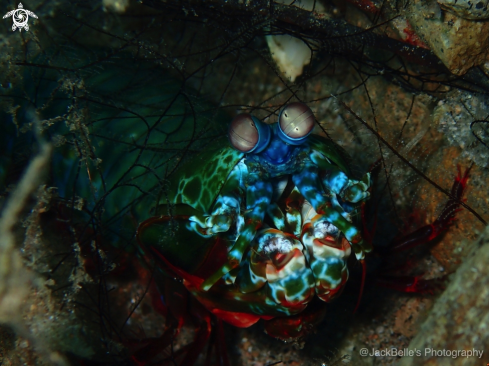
[248, 134]
[296, 122]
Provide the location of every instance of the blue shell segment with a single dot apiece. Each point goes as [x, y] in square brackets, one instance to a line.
[264, 135]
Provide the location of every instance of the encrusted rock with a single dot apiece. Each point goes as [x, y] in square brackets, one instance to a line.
[459, 319]
[475, 9]
[459, 43]
[462, 117]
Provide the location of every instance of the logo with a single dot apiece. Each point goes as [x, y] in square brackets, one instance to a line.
[20, 17]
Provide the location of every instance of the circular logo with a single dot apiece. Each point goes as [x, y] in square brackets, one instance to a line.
[20, 17]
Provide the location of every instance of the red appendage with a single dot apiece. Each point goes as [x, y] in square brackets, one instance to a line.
[427, 233]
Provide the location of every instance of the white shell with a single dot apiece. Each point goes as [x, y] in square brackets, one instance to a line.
[290, 53]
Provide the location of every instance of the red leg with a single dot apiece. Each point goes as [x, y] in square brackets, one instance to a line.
[410, 284]
[422, 236]
[203, 317]
[427, 233]
[288, 328]
[221, 350]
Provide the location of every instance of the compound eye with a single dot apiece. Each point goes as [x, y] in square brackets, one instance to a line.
[296, 121]
[248, 134]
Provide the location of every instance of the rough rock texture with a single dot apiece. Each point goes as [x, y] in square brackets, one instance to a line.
[467, 9]
[40, 295]
[459, 43]
[459, 319]
[462, 118]
[52, 319]
[451, 250]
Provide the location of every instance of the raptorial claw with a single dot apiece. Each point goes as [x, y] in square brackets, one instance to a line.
[327, 253]
[351, 232]
[356, 191]
[277, 261]
[235, 254]
[335, 181]
[225, 212]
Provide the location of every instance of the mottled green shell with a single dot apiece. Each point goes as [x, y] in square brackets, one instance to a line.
[199, 181]
[331, 150]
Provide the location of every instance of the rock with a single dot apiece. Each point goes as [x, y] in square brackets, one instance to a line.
[459, 319]
[462, 117]
[475, 10]
[459, 43]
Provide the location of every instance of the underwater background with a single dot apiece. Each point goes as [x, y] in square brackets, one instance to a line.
[102, 101]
